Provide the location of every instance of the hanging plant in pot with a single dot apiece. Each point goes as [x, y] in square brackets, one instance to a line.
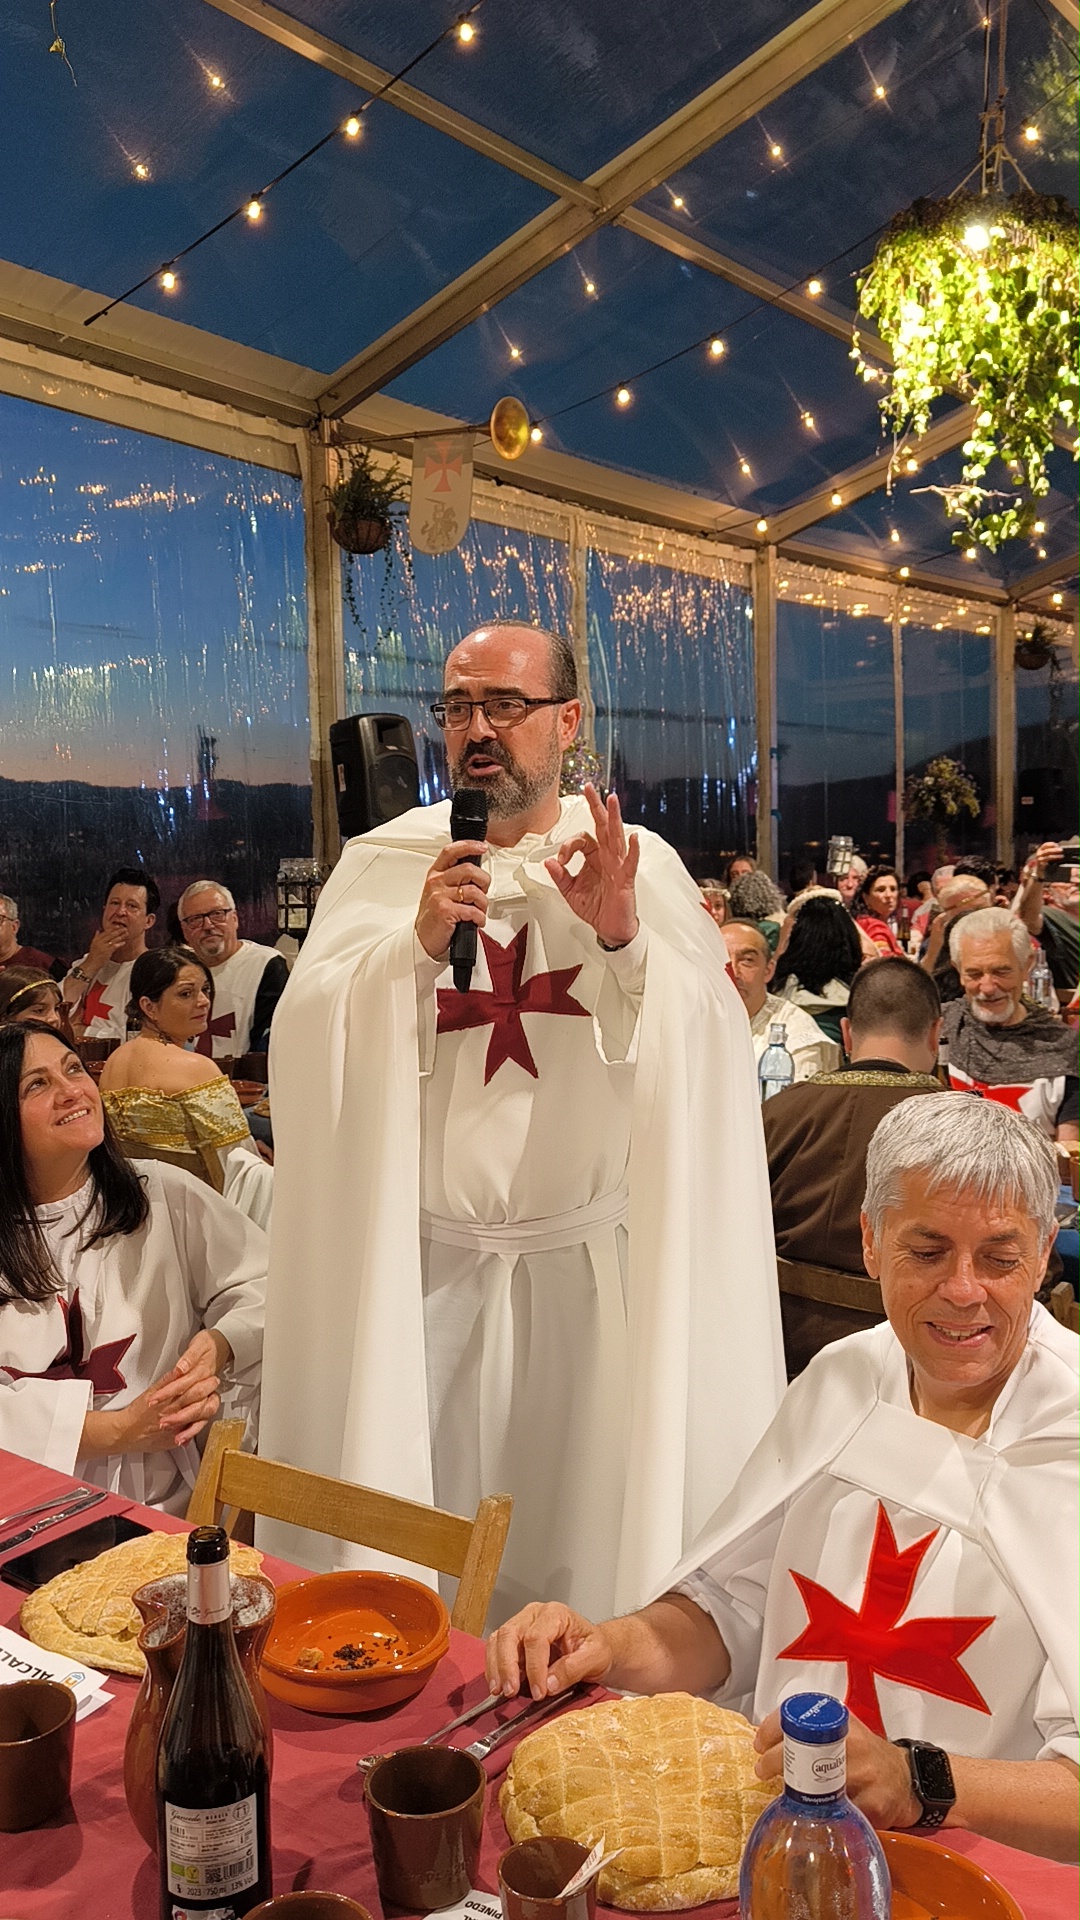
[366, 514]
[1036, 649]
[978, 295]
[940, 795]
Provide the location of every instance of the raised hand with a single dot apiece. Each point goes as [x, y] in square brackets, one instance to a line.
[602, 892]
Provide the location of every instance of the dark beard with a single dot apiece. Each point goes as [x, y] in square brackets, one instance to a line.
[512, 791]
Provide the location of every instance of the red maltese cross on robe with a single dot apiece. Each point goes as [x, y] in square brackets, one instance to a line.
[502, 1008]
[924, 1654]
[223, 1027]
[101, 1366]
[95, 1006]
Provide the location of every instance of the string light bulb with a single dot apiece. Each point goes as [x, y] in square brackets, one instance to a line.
[836, 500]
[808, 422]
[1040, 553]
[169, 281]
[253, 211]
[911, 465]
[895, 537]
[763, 526]
[590, 288]
[776, 150]
[623, 397]
[905, 573]
[976, 237]
[1058, 599]
[351, 127]
[536, 434]
[879, 92]
[466, 33]
[971, 553]
[744, 467]
[814, 288]
[717, 349]
[215, 81]
[678, 203]
[1031, 134]
[141, 170]
[1039, 527]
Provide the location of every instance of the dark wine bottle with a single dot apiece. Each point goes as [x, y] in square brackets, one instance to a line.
[213, 1774]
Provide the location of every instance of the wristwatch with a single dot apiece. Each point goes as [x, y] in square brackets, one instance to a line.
[78, 974]
[931, 1781]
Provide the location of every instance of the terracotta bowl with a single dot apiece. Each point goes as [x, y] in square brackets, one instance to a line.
[931, 1882]
[248, 1092]
[401, 1626]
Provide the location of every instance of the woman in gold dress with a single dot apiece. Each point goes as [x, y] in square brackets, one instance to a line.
[158, 1094]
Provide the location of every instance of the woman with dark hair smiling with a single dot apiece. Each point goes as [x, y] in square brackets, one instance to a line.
[158, 1094]
[126, 1289]
[875, 908]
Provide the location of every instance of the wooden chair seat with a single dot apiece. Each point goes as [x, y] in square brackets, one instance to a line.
[470, 1550]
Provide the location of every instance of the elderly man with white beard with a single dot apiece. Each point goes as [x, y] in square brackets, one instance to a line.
[1001, 1046]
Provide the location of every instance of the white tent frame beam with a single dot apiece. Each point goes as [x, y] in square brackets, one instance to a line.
[1041, 579]
[869, 476]
[811, 40]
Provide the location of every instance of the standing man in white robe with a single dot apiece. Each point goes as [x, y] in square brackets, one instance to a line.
[905, 1534]
[529, 1224]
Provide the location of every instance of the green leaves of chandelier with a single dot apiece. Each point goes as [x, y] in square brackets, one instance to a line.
[978, 295]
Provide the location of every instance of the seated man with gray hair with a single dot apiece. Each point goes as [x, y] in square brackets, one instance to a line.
[904, 1534]
[1000, 1046]
[249, 980]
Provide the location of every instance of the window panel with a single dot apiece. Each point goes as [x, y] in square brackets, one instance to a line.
[835, 734]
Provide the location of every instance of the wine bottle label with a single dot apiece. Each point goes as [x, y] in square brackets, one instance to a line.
[212, 1851]
[209, 1594]
[810, 1769]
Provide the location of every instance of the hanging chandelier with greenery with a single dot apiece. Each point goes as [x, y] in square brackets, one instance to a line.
[978, 295]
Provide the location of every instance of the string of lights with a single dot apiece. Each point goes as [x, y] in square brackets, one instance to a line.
[462, 29]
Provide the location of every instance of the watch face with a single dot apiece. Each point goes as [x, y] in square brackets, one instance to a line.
[934, 1775]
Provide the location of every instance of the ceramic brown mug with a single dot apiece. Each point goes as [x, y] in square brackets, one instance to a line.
[37, 1741]
[426, 1811]
[309, 1906]
[533, 1874]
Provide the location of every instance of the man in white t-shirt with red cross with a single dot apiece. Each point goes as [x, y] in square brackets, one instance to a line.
[249, 980]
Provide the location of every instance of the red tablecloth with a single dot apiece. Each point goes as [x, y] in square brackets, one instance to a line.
[89, 1863]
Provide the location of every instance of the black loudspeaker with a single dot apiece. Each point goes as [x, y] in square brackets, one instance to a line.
[1043, 803]
[375, 771]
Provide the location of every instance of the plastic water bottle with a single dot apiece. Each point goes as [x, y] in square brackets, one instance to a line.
[812, 1853]
[1040, 986]
[776, 1068]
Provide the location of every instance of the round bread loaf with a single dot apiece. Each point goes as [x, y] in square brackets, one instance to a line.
[87, 1612]
[669, 1779]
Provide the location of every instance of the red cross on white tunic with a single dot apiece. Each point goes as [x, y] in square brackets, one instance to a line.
[502, 1008]
[95, 1006]
[223, 1027]
[922, 1653]
[101, 1366]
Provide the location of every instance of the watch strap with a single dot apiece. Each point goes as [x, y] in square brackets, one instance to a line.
[935, 1808]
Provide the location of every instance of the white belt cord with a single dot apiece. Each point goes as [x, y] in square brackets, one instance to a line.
[512, 1237]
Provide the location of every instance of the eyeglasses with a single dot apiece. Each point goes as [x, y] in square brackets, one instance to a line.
[501, 710]
[216, 917]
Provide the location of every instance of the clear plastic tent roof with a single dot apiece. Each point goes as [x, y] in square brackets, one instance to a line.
[173, 112]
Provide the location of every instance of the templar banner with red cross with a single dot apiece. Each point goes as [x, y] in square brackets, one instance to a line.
[440, 506]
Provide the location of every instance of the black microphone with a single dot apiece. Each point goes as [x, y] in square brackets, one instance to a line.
[468, 821]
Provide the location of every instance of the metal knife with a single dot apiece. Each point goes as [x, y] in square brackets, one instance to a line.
[73, 1499]
[54, 1520]
[511, 1728]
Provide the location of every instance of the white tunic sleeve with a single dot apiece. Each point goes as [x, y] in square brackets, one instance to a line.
[224, 1259]
[43, 1419]
[733, 1588]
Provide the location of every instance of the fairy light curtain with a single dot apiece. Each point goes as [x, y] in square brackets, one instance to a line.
[153, 666]
[672, 664]
[835, 730]
[410, 620]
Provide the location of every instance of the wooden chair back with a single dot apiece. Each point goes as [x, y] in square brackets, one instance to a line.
[471, 1550]
[1064, 1306]
[203, 1162]
[819, 1305]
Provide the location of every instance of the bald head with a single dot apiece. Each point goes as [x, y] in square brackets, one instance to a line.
[539, 643]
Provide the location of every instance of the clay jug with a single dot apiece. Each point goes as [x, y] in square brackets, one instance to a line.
[163, 1605]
